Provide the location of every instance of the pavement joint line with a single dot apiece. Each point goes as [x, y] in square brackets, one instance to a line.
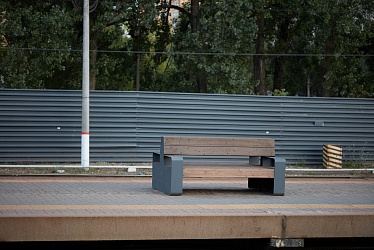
[150, 167]
[101, 179]
[187, 207]
[68, 179]
[75, 166]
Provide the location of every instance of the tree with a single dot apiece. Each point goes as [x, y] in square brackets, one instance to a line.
[38, 37]
[209, 35]
[321, 48]
[108, 23]
[44, 41]
[320, 30]
[259, 58]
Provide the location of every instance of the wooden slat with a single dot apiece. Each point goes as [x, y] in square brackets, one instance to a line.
[331, 154]
[212, 146]
[332, 159]
[218, 151]
[229, 171]
[219, 141]
[331, 165]
[333, 147]
[331, 151]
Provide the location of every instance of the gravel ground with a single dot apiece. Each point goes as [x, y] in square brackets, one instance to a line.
[94, 170]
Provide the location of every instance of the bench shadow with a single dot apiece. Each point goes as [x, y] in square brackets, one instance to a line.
[223, 191]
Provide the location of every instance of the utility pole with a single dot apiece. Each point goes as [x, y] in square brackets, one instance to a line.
[85, 143]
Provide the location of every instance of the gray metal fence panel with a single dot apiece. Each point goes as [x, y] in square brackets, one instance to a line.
[45, 125]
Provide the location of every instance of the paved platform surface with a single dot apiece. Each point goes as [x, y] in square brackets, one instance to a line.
[119, 208]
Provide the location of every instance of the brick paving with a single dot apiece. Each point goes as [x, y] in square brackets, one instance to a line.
[126, 196]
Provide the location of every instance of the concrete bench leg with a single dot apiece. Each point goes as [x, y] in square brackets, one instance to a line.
[167, 174]
[157, 172]
[173, 175]
[279, 176]
[279, 165]
[275, 186]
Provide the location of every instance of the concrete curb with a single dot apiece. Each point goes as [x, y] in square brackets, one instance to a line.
[132, 170]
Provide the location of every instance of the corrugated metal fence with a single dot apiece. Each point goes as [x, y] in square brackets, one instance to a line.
[45, 125]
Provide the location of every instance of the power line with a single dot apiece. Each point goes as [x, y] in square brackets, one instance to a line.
[192, 53]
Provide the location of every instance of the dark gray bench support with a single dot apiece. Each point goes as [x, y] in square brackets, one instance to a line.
[275, 186]
[167, 172]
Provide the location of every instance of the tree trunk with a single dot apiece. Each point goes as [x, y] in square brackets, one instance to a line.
[325, 68]
[137, 87]
[278, 73]
[282, 47]
[259, 58]
[194, 15]
[201, 79]
[93, 59]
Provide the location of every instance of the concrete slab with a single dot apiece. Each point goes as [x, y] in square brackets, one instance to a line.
[139, 227]
[118, 208]
[328, 226]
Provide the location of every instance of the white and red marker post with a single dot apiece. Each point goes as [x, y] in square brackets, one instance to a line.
[85, 142]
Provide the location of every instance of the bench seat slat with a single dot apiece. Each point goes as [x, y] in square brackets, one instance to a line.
[218, 151]
[213, 141]
[229, 171]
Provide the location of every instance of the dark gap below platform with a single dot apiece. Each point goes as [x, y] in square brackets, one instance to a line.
[216, 244]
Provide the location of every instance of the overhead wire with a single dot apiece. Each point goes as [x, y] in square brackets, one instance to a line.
[193, 53]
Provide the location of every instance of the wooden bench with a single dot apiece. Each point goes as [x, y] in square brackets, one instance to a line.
[263, 170]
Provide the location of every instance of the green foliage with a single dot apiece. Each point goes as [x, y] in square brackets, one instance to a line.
[209, 48]
[280, 92]
[223, 32]
[44, 26]
[335, 30]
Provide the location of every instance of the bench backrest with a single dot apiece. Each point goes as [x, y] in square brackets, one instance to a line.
[200, 146]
